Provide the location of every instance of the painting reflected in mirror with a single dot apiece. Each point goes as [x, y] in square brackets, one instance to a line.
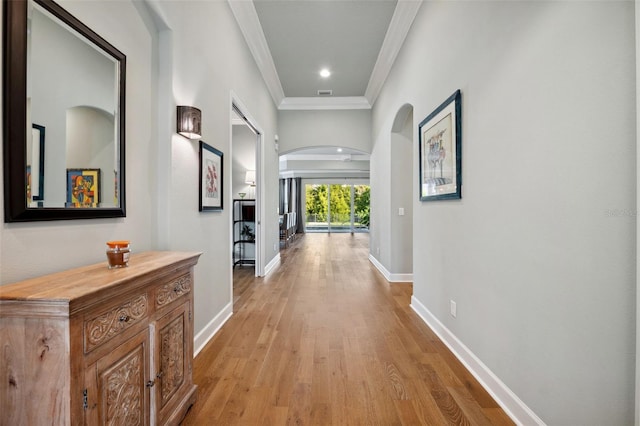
[72, 86]
[35, 165]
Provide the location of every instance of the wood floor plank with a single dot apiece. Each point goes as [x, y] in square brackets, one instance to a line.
[320, 380]
[274, 415]
[287, 378]
[447, 377]
[425, 406]
[338, 390]
[497, 417]
[324, 339]
[321, 414]
[211, 405]
[257, 402]
[304, 374]
[469, 406]
[300, 412]
[233, 409]
[384, 391]
[407, 412]
[477, 391]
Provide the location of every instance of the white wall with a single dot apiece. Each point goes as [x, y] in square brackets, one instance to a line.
[34, 249]
[162, 167]
[401, 226]
[380, 216]
[637, 22]
[317, 128]
[244, 158]
[205, 61]
[391, 235]
[539, 254]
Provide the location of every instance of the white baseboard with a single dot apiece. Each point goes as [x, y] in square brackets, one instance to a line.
[509, 401]
[272, 265]
[392, 278]
[203, 337]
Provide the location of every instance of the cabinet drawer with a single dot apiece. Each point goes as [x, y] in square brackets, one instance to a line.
[109, 323]
[172, 290]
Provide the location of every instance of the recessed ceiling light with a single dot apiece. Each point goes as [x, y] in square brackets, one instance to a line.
[324, 73]
[339, 149]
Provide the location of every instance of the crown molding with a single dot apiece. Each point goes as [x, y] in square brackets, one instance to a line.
[325, 157]
[399, 26]
[326, 174]
[314, 103]
[247, 19]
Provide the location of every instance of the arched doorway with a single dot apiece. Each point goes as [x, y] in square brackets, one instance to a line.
[402, 193]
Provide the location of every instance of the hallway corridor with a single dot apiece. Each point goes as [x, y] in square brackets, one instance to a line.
[325, 340]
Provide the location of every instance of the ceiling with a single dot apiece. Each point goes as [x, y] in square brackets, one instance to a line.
[342, 36]
[356, 40]
[292, 40]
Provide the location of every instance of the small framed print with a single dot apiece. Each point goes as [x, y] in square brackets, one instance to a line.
[211, 178]
[83, 188]
[440, 152]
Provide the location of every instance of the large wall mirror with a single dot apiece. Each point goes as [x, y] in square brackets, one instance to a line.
[64, 107]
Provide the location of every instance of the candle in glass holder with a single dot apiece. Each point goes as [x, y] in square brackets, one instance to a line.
[118, 254]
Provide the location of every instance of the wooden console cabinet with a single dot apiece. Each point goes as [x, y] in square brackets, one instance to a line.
[94, 346]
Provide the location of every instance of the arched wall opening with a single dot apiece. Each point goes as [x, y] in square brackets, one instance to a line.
[401, 197]
[91, 144]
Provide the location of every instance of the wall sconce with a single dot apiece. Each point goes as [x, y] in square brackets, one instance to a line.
[189, 122]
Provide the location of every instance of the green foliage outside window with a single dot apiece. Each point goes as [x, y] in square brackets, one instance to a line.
[317, 207]
[362, 204]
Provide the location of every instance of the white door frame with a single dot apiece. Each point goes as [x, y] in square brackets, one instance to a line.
[637, 395]
[237, 105]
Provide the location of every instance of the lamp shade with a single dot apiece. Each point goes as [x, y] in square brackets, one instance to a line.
[189, 122]
[250, 178]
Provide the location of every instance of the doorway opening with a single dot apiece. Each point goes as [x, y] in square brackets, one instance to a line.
[246, 235]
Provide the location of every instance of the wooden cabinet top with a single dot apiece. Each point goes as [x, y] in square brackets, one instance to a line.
[90, 284]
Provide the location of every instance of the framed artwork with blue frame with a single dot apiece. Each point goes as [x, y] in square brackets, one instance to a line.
[440, 152]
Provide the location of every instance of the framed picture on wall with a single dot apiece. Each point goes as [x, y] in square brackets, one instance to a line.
[211, 178]
[83, 188]
[440, 152]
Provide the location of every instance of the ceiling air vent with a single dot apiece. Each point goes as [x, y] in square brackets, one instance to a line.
[325, 92]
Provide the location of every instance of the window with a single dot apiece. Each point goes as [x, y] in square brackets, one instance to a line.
[337, 208]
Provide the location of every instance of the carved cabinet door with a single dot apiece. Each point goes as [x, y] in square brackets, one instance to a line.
[171, 345]
[117, 385]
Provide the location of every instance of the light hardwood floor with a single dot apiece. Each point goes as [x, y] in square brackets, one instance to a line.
[326, 340]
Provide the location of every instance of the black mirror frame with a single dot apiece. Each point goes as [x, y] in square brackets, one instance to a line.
[15, 116]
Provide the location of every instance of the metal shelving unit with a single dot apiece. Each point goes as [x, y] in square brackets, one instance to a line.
[244, 231]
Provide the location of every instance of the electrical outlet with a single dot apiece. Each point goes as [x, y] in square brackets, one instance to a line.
[275, 247]
[453, 308]
[401, 211]
[377, 250]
